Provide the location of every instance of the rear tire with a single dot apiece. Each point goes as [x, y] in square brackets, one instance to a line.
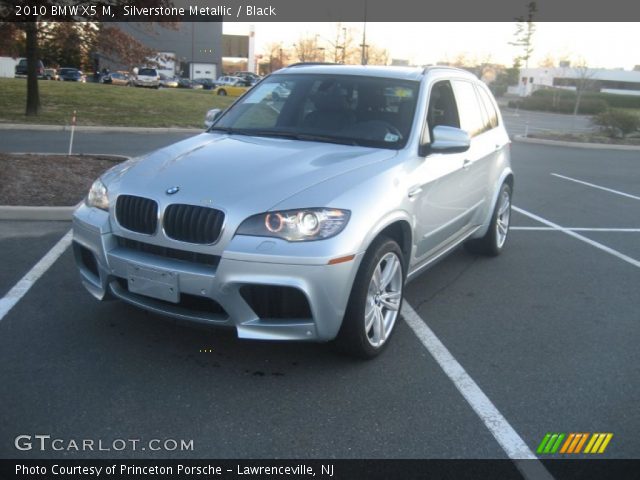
[495, 239]
[222, 93]
[375, 301]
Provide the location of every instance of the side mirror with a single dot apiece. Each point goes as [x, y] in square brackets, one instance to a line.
[447, 140]
[211, 116]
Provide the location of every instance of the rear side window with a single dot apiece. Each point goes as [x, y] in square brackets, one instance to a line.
[471, 115]
[489, 108]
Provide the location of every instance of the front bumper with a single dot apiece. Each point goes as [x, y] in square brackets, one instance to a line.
[215, 292]
[147, 83]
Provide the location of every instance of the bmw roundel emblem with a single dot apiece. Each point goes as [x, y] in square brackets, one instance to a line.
[172, 190]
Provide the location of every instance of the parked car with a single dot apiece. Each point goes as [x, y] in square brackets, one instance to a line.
[187, 83]
[227, 80]
[50, 74]
[167, 82]
[207, 83]
[117, 78]
[71, 75]
[21, 69]
[305, 222]
[251, 77]
[147, 77]
[234, 88]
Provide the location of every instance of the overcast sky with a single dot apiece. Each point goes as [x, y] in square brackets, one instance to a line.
[609, 45]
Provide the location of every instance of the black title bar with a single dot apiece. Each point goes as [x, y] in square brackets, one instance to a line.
[317, 10]
[317, 469]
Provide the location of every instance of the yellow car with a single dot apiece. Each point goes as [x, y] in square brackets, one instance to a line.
[234, 87]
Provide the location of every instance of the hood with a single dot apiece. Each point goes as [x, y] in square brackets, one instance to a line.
[235, 171]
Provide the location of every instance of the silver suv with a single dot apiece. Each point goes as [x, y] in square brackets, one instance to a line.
[303, 218]
[147, 77]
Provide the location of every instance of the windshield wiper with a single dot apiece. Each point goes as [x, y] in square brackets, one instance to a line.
[229, 130]
[301, 136]
[325, 138]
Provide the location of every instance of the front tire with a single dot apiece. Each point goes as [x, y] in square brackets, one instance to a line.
[375, 301]
[495, 239]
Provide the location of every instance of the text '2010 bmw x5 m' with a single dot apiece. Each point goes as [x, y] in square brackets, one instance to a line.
[301, 217]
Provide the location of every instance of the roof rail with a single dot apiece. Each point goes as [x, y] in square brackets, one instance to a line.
[442, 67]
[306, 64]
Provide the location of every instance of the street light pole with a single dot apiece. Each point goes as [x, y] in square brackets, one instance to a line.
[363, 57]
[344, 44]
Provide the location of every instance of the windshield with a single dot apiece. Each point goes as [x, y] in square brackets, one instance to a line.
[355, 110]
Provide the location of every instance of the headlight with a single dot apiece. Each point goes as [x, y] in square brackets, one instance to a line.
[98, 196]
[296, 225]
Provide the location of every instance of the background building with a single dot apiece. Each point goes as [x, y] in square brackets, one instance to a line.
[625, 82]
[192, 49]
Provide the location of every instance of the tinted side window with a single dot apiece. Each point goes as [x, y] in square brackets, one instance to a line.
[470, 114]
[442, 107]
[489, 108]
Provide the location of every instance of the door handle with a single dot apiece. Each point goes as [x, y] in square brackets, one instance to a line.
[414, 191]
[466, 164]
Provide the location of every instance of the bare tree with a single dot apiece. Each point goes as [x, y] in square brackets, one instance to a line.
[548, 61]
[277, 55]
[341, 48]
[307, 49]
[584, 81]
[377, 55]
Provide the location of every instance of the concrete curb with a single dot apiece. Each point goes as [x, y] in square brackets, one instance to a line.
[36, 213]
[98, 129]
[53, 154]
[44, 213]
[562, 143]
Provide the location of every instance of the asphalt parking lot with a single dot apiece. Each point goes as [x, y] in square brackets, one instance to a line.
[548, 332]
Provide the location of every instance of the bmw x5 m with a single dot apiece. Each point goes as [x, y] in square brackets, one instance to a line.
[302, 218]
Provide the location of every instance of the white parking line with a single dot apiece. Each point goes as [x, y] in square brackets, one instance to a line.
[19, 290]
[503, 432]
[610, 190]
[579, 229]
[573, 234]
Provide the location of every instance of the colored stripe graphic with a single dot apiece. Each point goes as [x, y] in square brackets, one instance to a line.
[550, 443]
[573, 443]
[543, 443]
[555, 447]
[582, 440]
[605, 443]
[598, 443]
[565, 447]
[577, 437]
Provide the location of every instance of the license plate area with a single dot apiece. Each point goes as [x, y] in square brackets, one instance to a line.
[159, 284]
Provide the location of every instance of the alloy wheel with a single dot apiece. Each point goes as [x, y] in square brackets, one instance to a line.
[383, 299]
[503, 218]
